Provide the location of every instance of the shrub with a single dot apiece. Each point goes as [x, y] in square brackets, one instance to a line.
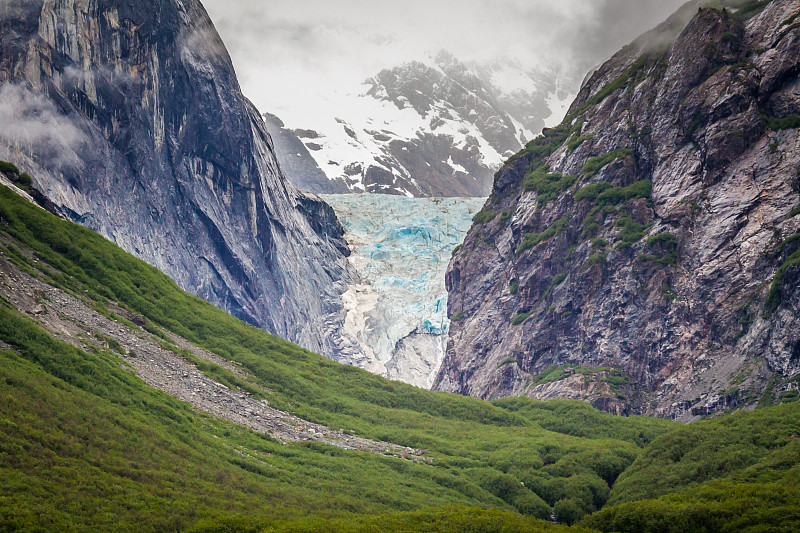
[532, 239]
[575, 143]
[596, 259]
[630, 233]
[484, 216]
[8, 168]
[25, 179]
[592, 191]
[604, 194]
[569, 511]
[665, 239]
[595, 164]
[520, 318]
[548, 185]
[778, 124]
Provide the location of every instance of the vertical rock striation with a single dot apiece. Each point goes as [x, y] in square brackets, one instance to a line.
[131, 119]
[643, 255]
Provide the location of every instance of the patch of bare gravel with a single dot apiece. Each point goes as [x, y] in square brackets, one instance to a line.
[72, 320]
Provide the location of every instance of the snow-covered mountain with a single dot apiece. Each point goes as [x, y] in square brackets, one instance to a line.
[432, 128]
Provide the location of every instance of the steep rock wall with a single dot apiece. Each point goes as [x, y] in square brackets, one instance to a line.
[643, 255]
[131, 119]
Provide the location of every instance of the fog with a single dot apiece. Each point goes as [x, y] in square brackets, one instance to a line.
[286, 53]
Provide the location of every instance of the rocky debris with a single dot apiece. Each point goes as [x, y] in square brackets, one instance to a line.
[675, 264]
[72, 320]
[143, 135]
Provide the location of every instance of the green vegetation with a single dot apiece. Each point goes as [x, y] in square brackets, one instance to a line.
[458, 317]
[541, 147]
[548, 186]
[595, 259]
[484, 216]
[443, 520]
[667, 244]
[114, 454]
[604, 194]
[595, 164]
[532, 239]
[9, 168]
[576, 142]
[618, 83]
[520, 318]
[719, 506]
[631, 232]
[775, 293]
[507, 361]
[550, 374]
[513, 286]
[778, 124]
[794, 212]
[746, 447]
[736, 473]
[456, 250]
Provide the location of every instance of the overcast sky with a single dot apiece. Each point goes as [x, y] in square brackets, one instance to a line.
[288, 51]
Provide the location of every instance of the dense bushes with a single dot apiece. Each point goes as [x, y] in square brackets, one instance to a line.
[719, 507]
[594, 164]
[532, 239]
[461, 434]
[484, 216]
[603, 193]
[548, 185]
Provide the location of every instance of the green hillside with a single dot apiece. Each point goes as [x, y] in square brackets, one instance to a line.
[87, 445]
[110, 475]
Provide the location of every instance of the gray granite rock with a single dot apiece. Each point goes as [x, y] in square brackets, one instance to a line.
[674, 326]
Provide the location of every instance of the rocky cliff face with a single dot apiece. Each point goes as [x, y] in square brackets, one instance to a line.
[643, 255]
[130, 116]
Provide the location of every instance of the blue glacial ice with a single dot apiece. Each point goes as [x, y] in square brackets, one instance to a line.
[401, 247]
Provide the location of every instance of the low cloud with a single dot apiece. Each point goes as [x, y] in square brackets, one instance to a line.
[288, 50]
[31, 123]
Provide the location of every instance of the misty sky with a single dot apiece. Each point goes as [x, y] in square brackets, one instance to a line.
[287, 52]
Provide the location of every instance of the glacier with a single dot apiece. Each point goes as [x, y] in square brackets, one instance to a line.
[401, 248]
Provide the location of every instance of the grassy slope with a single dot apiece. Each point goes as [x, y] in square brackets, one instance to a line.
[85, 444]
[736, 473]
[482, 451]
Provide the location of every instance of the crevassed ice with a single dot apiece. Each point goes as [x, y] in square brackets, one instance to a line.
[401, 248]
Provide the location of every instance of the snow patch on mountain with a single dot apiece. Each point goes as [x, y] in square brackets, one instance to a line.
[436, 127]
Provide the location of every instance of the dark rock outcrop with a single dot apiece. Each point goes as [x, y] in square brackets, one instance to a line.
[130, 118]
[297, 163]
[649, 244]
